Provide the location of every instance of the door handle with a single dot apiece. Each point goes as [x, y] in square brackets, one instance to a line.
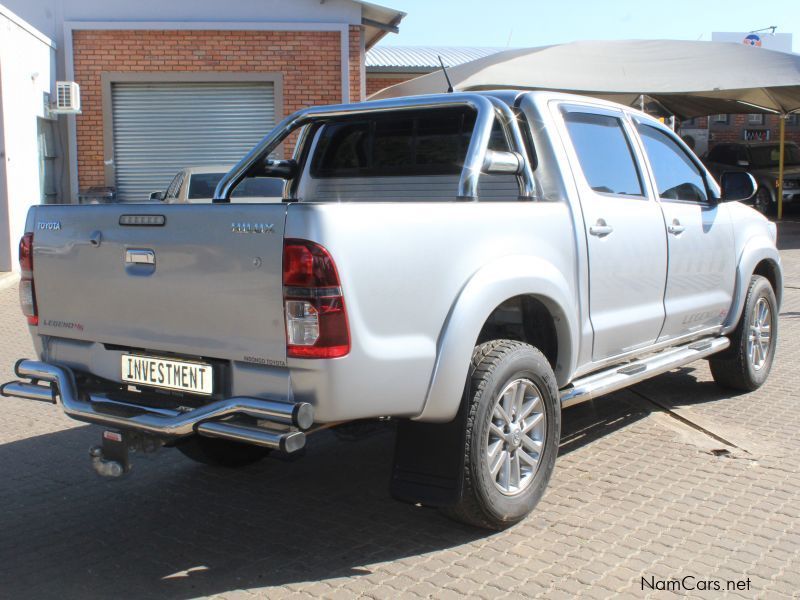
[676, 228]
[140, 257]
[601, 228]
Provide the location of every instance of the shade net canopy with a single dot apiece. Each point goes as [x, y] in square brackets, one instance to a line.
[689, 79]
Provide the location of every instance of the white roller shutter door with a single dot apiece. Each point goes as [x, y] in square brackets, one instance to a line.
[160, 128]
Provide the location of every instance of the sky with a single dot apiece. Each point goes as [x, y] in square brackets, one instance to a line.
[521, 23]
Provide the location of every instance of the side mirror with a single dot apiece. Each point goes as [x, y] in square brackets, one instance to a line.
[737, 186]
[272, 167]
[157, 196]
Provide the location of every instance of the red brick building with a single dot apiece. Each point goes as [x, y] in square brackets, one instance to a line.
[302, 67]
[165, 85]
[706, 132]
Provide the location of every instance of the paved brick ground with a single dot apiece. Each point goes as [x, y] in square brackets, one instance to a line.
[637, 492]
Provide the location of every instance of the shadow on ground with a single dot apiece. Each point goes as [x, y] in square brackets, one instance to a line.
[173, 529]
[680, 387]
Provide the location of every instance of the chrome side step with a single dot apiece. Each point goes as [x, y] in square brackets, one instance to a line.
[618, 377]
[56, 384]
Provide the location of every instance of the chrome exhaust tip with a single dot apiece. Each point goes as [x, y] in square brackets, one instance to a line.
[303, 415]
[28, 391]
[288, 441]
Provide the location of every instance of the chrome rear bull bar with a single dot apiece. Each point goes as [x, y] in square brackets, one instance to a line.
[211, 419]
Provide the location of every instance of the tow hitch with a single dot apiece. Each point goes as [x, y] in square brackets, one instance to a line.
[112, 457]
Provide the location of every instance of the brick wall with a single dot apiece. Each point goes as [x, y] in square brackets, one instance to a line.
[310, 62]
[733, 130]
[356, 54]
[377, 81]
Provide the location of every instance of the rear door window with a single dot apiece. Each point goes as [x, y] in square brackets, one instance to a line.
[604, 153]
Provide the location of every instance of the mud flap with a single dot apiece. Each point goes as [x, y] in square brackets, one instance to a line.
[429, 462]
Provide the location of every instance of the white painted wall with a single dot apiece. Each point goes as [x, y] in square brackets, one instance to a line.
[27, 72]
[48, 16]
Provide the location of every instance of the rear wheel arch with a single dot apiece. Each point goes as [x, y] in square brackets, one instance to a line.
[492, 287]
[525, 318]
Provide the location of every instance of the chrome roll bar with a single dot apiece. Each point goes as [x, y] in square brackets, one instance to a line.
[525, 180]
[486, 107]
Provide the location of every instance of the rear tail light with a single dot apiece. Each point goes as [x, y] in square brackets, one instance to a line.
[27, 291]
[316, 317]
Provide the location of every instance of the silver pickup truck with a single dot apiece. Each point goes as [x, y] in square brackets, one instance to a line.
[464, 264]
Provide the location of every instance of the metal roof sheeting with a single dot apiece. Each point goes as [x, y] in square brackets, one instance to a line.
[422, 58]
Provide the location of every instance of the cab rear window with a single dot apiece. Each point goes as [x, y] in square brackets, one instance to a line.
[432, 142]
[202, 185]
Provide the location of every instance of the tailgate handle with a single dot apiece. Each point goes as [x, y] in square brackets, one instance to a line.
[140, 257]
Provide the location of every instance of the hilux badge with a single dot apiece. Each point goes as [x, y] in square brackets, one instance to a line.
[252, 227]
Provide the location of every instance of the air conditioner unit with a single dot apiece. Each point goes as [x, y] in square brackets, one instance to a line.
[68, 98]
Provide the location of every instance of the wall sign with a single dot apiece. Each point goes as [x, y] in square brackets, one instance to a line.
[755, 135]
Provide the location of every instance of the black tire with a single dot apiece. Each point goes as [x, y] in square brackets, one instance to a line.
[495, 365]
[763, 202]
[734, 368]
[221, 453]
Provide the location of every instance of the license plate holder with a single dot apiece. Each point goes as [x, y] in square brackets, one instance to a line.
[168, 374]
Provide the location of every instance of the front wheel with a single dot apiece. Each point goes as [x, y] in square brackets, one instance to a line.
[512, 434]
[746, 364]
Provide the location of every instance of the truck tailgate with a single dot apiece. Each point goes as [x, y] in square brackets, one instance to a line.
[206, 282]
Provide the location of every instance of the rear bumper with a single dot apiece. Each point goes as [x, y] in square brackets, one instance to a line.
[237, 418]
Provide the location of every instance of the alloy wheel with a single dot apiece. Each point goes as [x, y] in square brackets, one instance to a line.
[760, 334]
[515, 438]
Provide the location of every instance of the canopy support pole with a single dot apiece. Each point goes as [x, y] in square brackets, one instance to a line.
[780, 164]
